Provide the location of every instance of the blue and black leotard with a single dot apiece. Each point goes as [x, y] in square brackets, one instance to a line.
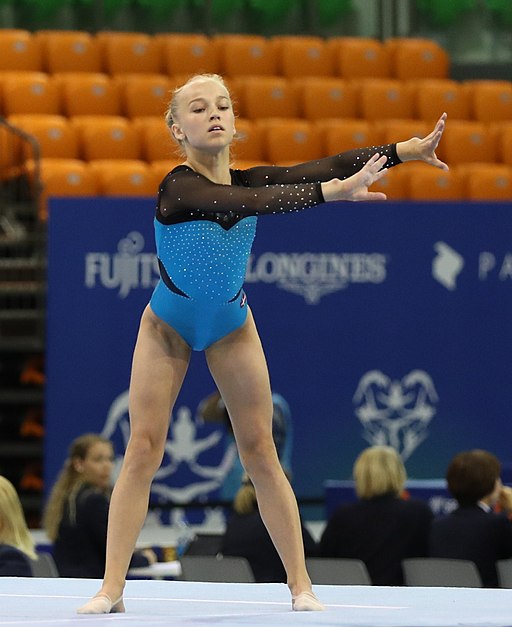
[204, 233]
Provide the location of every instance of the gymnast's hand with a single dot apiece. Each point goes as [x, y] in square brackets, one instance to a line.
[416, 149]
[355, 187]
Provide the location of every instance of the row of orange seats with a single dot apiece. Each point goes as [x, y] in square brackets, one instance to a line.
[228, 54]
[407, 182]
[132, 95]
[272, 140]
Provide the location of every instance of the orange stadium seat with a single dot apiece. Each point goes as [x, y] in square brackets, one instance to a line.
[267, 96]
[413, 58]
[19, 51]
[55, 135]
[160, 168]
[393, 184]
[107, 137]
[155, 139]
[131, 53]
[385, 98]
[246, 55]
[485, 181]
[428, 183]
[89, 94]
[69, 51]
[466, 142]
[248, 143]
[63, 177]
[341, 135]
[433, 96]
[491, 101]
[144, 94]
[124, 177]
[10, 154]
[301, 55]
[395, 130]
[360, 57]
[30, 92]
[503, 134]
[290, 140]
[326, 97]
[188, 53]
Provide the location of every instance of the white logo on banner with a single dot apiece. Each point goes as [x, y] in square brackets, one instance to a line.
[128, 269]
[447, 265]
[490, 266]
[313, 275]
[183, 447]
[395, 413]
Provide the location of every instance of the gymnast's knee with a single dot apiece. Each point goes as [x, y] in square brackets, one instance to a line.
[143, 456]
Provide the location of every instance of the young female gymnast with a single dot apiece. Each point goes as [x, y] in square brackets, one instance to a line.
[205, 223]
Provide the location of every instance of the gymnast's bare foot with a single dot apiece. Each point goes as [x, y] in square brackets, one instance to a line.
[306, 602]
[102, 604]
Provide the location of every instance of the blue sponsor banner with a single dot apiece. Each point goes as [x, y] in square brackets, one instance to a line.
[382, 323]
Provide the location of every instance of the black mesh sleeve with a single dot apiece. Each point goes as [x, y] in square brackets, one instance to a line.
[339, 166]
[185, 191]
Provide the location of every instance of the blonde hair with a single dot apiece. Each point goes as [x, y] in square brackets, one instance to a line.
[13, 526]
[171, 115]
[68, 483]
[379, 470]
[245, 501]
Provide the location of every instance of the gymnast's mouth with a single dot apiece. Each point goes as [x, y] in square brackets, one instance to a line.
[217, 127]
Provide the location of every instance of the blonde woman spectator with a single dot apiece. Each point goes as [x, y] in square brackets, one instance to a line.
[77, 511]
[16, 543]
[381, 528]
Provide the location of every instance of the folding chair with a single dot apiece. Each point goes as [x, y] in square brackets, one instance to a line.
[246, 55]
[69, 51]
[85, 93]
[155, 139]
[301, 55]
[19, 51]
[428, 183]
[30, 92]
[216, 569]
[486, 181]
[504, 568]
[288, 141]
[326, 97]
[107, 137]
[466, 142]
[338, 571]
[44, 566]
[144, 94]
[385, 98]
[433, 96]
[188, 53]
[56, 136]
[413, 58]
[131, 53]
[435, 572]
[123, 177]
[491, 101]
[267, 96]
[356, 57]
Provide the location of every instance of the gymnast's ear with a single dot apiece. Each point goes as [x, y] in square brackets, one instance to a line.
[177, 133]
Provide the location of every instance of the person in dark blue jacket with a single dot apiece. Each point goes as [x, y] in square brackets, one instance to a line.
[16, 544]
[474, 531]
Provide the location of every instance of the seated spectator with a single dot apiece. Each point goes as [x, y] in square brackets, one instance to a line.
[246, 536]
[77, 511]
[16, 543]
[381, 528]
[474, 531]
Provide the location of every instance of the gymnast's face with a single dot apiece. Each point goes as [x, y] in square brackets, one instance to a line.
[205, 119]
[96, 468]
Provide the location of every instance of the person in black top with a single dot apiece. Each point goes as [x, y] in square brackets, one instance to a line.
[204, 224]
[16, 544]
[474, 531]
[381, 528]
[77, 511]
